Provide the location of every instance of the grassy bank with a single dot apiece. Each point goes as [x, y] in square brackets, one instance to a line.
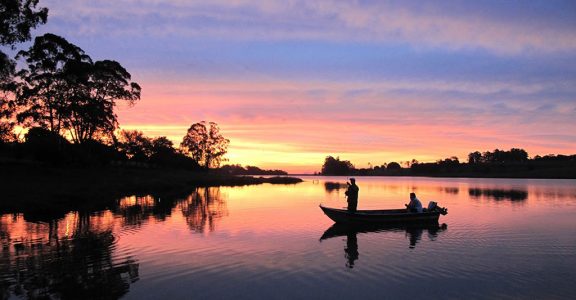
[39, 188]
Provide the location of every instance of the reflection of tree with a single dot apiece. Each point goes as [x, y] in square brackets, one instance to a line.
[499, 194]
[79, 266]
[73, 257]
[330, 186]
[203, 207]
[135, 210]
[451, 190]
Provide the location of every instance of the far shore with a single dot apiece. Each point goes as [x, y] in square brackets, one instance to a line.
[42, 189]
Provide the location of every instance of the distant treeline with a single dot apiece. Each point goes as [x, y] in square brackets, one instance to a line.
[514, 163]
[249, 170]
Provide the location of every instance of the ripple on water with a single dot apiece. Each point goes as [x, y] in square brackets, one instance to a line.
[265, 244]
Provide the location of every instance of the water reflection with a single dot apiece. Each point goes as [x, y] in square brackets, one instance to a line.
[451, 190]
[135, 211]
[203, 208]
[259, 242]
[498, 194]
[330, 186]
[70, 258]
[413, 232]
[75, 256]
[335, 186]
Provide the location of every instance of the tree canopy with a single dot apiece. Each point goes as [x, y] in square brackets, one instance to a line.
[17, 18]
[335, 166]
[46, 93]
[64, 90]
[7, 104]
[205, 144]
[498, 156]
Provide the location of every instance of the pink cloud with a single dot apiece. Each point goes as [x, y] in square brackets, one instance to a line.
[277, 124]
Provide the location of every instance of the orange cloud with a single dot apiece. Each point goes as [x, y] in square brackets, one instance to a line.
[294, 125]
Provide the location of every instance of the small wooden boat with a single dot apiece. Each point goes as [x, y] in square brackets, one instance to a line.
[382, 216]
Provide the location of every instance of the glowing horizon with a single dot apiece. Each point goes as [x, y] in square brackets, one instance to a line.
[296, 132]
[292, 82]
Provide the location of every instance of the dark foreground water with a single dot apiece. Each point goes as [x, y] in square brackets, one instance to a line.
[501, 239]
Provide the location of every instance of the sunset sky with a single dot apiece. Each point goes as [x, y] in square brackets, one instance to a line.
[290, 82]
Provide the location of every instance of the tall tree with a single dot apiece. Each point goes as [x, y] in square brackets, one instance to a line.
[46, 90]
[17, 18]
[205, 144]
[65, 90]
[97, 87]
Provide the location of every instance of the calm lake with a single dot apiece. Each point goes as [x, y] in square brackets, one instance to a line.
[501, 239]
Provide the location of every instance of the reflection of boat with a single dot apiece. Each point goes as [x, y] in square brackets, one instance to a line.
[413, 232]
[345, 229]
[381, 216]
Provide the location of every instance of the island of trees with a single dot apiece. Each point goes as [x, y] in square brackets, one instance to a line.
[513, 163]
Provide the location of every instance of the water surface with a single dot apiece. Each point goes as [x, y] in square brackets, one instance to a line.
[502, 238]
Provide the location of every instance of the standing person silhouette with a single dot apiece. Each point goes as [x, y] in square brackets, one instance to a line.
[352, 194]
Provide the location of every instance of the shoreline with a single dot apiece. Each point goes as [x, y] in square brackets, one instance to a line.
[465, 176]
[561, 171]
[40, 189]
[44, 190]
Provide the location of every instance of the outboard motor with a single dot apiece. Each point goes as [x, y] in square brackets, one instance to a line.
[433, 206]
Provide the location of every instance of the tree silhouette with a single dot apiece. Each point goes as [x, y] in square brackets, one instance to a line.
[205, 144]
[514, 155]
[162, 144]
[7, 97]
[135, 145]
[475, 157]
[335, 166]
[17, 18]
[97, 87]
[46, 146]
[249, 170]
[65, 90]
[46, 93]
[393, 166]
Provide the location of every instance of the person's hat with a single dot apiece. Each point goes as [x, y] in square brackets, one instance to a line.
[352, 179]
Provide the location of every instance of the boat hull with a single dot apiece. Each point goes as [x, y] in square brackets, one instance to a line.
[379, 216]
